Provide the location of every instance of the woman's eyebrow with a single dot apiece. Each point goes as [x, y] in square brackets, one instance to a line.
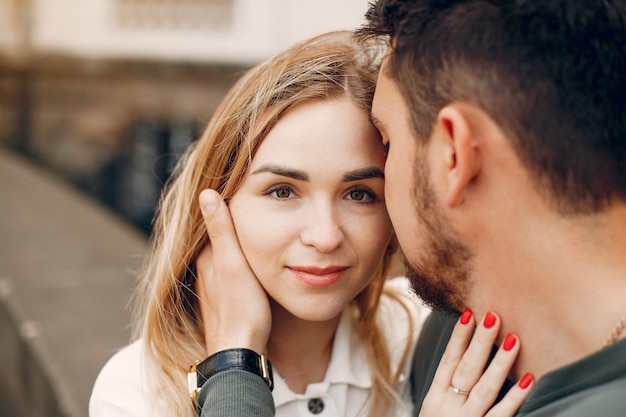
[356, 175]
[282, 171]
[363, 174]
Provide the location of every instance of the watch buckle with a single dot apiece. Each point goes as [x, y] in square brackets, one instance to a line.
[266, 372]
[192, 383]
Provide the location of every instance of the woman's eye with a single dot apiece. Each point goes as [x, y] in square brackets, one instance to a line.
[362, 195]
[280, 192]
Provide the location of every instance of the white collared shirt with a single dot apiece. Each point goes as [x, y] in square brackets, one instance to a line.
[344, 390]
[120, 389]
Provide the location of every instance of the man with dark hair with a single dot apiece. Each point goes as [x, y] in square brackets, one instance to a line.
[512, 117]
[506, 184]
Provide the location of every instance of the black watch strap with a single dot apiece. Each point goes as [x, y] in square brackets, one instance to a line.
[224, 360]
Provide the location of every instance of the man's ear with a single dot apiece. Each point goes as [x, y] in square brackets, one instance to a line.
[462, 159]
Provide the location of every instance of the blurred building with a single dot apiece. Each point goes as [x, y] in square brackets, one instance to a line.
[108, 93]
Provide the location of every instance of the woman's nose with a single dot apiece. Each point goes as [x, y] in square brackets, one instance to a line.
[323, 230]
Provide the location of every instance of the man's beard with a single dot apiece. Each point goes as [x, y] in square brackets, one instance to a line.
[441, 276]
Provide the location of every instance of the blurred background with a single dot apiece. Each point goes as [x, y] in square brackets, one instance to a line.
[107, 93]
[98, 99]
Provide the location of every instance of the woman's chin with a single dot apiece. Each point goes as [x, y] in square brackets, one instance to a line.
[309, 310]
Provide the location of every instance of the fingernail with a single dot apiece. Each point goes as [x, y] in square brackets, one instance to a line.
[525, 381]
[489, 320]
[208, 202]
[509, 342]
[466, 316]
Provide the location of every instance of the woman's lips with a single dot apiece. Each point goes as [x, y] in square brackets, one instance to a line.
[315, 276]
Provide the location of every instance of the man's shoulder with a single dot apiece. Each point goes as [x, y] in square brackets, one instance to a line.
[592, 386]
[603, 400]
[606, 400]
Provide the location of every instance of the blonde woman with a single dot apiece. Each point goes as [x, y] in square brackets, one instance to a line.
[292, 151]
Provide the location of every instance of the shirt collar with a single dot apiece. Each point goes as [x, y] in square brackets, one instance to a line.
[348, 364]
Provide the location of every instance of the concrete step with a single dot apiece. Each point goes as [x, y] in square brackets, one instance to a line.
[68, 267]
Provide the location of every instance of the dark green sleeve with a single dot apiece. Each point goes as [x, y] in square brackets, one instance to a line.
[236, 394]
[430, 347]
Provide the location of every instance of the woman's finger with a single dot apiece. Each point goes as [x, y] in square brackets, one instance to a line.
[474, 360]
[464, 385]
[221, 230]
[487, 389]
[457, 345]
[234, 306]
[437, 400]
[513, 399]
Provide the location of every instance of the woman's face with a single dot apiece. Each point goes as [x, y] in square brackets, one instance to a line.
[310, 214]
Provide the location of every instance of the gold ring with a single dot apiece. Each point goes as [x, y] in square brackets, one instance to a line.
[458, 390]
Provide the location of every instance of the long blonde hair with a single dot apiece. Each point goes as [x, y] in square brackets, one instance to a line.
[329, 66]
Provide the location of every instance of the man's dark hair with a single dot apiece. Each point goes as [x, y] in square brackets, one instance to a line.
[551, 73]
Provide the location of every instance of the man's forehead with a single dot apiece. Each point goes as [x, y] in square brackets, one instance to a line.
[384, 87]
[384, 62]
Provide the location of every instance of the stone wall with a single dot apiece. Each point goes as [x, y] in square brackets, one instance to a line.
[113, 128]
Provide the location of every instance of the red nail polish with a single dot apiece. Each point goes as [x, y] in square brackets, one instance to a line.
[466, 316]
[525, 381]
[509, 342]
[489, 320]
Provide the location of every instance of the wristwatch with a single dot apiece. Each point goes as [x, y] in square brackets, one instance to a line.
[225, 360]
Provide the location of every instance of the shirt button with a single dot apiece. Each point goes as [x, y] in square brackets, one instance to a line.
[316, 405]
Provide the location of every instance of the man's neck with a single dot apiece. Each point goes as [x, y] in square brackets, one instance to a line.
[560, 286]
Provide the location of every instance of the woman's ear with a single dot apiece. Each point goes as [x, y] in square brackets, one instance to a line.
[460, 134]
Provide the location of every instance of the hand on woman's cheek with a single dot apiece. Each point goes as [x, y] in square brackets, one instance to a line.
[233, 304]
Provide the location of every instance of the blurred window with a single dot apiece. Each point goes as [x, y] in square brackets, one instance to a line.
[177, 15]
